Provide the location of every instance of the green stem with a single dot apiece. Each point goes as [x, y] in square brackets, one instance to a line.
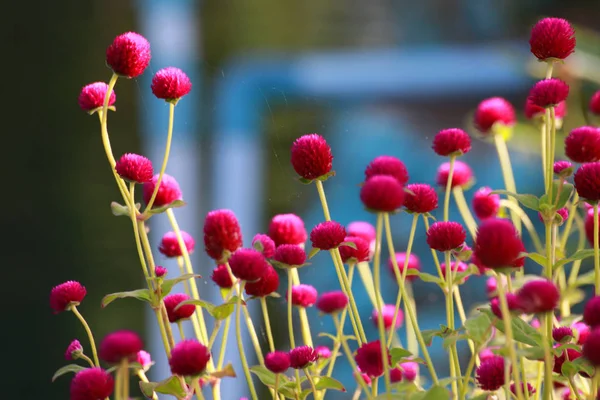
[213, 335]
[544, 148]
[197, 389]
[265, 311]
[276, 387]
[461, 313]
[181, 333]
[380, 323]
[304, 326]
[142, 375]
[549, 68]
[526, 221]
[163, 332]
[89, 334]
[574, 389]
[89, 360]
[238, 335]
[507, 174]
[311, 381]
[580, 245]
[253, 335]
[596, 252]
[547, 332]
[450, 319]
[463, 208]
[290, 315]
[448, 188]
[223, 344]
[323, 200]
[138, 245]
[124, 371]
[595, 385]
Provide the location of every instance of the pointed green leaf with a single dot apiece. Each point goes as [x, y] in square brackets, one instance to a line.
[162, 209]
[172, 385]
[349, 244]
[398, 354]
[119, 210]
[538, 258]
[326, 382]
[565, 194]
[286, 387]
[429, 278]
[429, 334]
[227, 371]
[582, 254]
[168, 284]
[313, 252]
[435, 393]
[75, 368]
[140, 294]
[223, 311]
[522, 331]
[527, 200]
[478, 328]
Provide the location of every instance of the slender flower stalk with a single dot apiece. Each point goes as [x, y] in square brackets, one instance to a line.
[124, 371]
[569, 223]
[507, 173]
[449, 289]
[238, 335]
[526, 221]
[311, 381]
[463, 208]
[596, 252]
[89, 334]
[448, 188]
[142, 375]
[265, 312]
[197, 389]
[547, 331]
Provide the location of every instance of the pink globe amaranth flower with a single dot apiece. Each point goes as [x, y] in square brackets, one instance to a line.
[160, 271]
[552, 38]
[388, 311]
[168, 191]
[587, 181]
[129, 54]
[364, 376]
[327, 235]
[420, 198]
[533, 111]
[494, 110]
[395, 375]
[451, 142]
[222, 234]
[183, 312]
[120, 345]
[134, 168]
[563, 168]
[311, 156]
[538, 296]
[387, 165]
[65, 295]
[323, 351]
[302, 357]
[491, 286]
[445, 235]
[290, 255]
[456, 267]
[562, 334]
[287, 229]
[591, 347]
[332, 302]
[486, 354]
[264, 244]
[582, 331]
[169, 245]
[222, 277]
[594, 103]
[583, 144]
[74, 350]
[267, 284]
[570, 354]
[498, 244]
[485, 203]
[530, 389]
[189, 358]
[490, 374]
[248, 264]
[91, 384]
[410, 370]
[303, 295]
[566, 393]
[361, 253]
[92, 97]
[514, 305]
[549, 92]
[170, 84]
[382, 193]
[369, 358]
[144, 359]
[591, 312]
[277, 362]
[414, 263]
[361, 229]
[462, 175]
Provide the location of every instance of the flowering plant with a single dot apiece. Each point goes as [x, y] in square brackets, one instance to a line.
[525, 344]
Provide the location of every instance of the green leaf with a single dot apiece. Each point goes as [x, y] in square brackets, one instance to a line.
[119, 210]
[334, 338]
[168, 284]
[538, 258]
[132, 365]
[313, 252]
[453, 338]
[140, 294]
[586, 279]
[162, 209]
[429, 278]
[219, 312]
[258, 246]
[527, 200]
[435, 393]
[227, 371]
[583, 365]
[171, 385]
[429, 334]
[459, 277]
[393, 396]
[572, 295]
[582, 254]
[565, 194]
[349, 244]
[522, 331]
[326, 382]
[398, 354]
[478, 327]
[286, 387]
[223, 311]
[75, 368]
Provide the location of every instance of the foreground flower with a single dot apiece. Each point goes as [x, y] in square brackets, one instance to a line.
[287, 229]
[290, 255]
[485, 203]
[494, 110]
[387, 165]
[549, 92]
[189, 358]
[170, 84]
[74, 350]
[303, 295]
[562, 334]
[587, 181]
[302, 357]
[144, 359]
[395, 375]
[420, 198]
[583, 144]
[332, 302]
[327, 235]
[594, 103]
[369, 358]
[129, 54]
[388, 311]
[561, 167]
[513, 302]
[361, 229]
[267, 284]
[410, 370]
[552, 38]
[591, 312]
[311, 156]
[134, 168]
[222, 277]
[120, 345]
[277, 362]
[445, 235]
[183, 312]
[352, 255]
[382, 193]
[222, 234]
[168, 191]
[498, 244]
[91, 384]
[92, 96]
[462, 175]
[169, 245]
[490, 374]
[451, 142]
[266, 244]
[534, 111]
[248, 264]
[65, 295]
[538, 296]
[413, 264]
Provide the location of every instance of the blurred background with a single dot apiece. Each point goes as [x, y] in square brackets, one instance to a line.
[376, 77]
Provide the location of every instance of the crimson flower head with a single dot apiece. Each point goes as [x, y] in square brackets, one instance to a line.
[287, 229]
[456, 267]
[332, 302]
[562, 334]
[290, 255]
[561, 167]
[514, 305]
[494, 110]
[382, 193]
[134, 168]
[120, 345]
[420, 198]
[567, 354]
[353, 256]
[538, 296]
[445, 235]
[65, 295]
[248, 264]
[582, 330]
[369, 358]
[170, 84]
[410, 370]
[169, 245]
[189, 358]
[144, 359]
[327, 235]
[594, 103]
[552, 38]
[323, 351]
[413, 263]
[264, 244]
[533, 111]
[395, 375]
[591, 347]
[160, 271]
[485, 203]
[491, 286]
[168, 191]
[591, 312]
[387, 311]
[303, 295]
[587, 181]
[490, 374]
[92, 97]
[549, 92]
[222, 234]
[302, 357]
[583, 144]
[129, 54]
[311, 156]
[74, 350]
[498, 244]
[267, 284]
[183, 312]
[451, 142]
[221, 277]
[387, 165]
[361, 229]
[91, 384]
[277, 362]
[461, 176]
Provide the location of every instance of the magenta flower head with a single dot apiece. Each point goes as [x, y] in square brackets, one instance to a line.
[494, 110]
[176, 314]
[91, 383]
[410, 370]
[587, 181]
[304, 295]
[490, 374]
[582, 330]
[420, 198]
[267, 284]
[461, 176]
[74, 350]
[264, 244]
[533, 111]
[144, 359]
[549, 92]
[369, 358]
[169, 245]
[134, 168]
[170, 84]
[120, 345]
[311, 156]
[591, 312]
[498, 244]
[277, 362]
[456, 267]
[583, 144]
[160, 271]
[361, 229]
[221, 277]
[287, 229]
[327, 235]
[222, 234]
[552, 38]
[364, 376]
[302, 357]
[388, 311]
[563, 334]
[591, 347]
[445, 235]
[395, 375]
[514, 305]
[559, 360]
[63, 296]
[594, 103]
[530, 389]
[323, 351]
[451, 142]
[382, 193]
[168, 191]
[128, 55]
[248, 264]
[92, 96]
[189, 358]
[538, 296]
[355, 255]
[485, 203]
[563, 168]
[332, 302]
[413, 264]
[387, 165]
[290, 256]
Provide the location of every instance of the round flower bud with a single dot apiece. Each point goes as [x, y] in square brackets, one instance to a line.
[361, 229]
[583, 144]
[587, 181]
[562, 167]
[175, 314]
[120, 345]
[91, 383]
[413, 263]
[264, 244]
[74, 350]
[560, 216]
[490, 374]
[267, 284]
[303, 295]
[532, 111]
[290, 255]
[461, 176]
[323, 351]
[485, 203]
[169, 245]
[382, 193]
[129, 54]
[552, 38]
[355, 255]
[538, 296]
[332, 302]
[387, 165]
[451, 142]
[591, 312]
[570, 354]
[302, 357]
[498, 244]
[160, 271]
[248, 264]
[222, 234]
[582, 330]
[594, 103]
[445, 235]
[168, 191]
[388, 311]
[311, 156]
[369, 358]
[277, 362]
[327, 235]
[494, 110]
[591, 348]
[514, 305]
[287, 229]
[549, 92]
[222, 277]
[189, 358]
[395, 375]
[144, 359]
[134, 168]
[65, 295]
[92, 97]
[170, 84]
[410, 370]
[420, 198]
[456, 267]
[562, 334]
